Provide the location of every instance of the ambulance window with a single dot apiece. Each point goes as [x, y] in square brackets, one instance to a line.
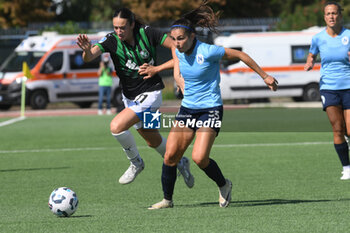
[53, 63]
[300, 53]
[225, 63]
[76, 62]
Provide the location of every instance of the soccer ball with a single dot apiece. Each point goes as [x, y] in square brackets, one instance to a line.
[63, 202]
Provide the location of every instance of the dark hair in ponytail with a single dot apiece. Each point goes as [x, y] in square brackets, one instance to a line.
[125, 13]
[203, 17]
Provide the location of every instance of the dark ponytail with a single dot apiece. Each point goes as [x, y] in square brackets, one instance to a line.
[203, 17]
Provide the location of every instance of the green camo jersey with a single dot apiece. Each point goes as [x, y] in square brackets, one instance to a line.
[127, 59]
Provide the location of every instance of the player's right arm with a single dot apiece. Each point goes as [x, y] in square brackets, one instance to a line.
[89, 52]
[313, 51]
[180, 82]
[310, 62]
[233, 54]
[150, 70]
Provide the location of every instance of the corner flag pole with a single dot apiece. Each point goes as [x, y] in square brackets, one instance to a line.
[26, 75]
[23, 97]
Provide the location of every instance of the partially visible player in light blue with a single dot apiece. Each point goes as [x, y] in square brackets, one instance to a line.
[201, 111]
[333, 45]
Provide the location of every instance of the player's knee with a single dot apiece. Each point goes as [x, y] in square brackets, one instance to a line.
[339, 131]
[201, 161]
[170, 159]
[154, 141]
[153, 144]
[115, 127]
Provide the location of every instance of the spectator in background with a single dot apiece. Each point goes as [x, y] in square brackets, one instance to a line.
[105, 84]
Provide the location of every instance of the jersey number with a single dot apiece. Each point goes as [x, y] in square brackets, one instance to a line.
[141, 98]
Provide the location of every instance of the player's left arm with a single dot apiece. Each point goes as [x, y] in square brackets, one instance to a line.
[232, 54]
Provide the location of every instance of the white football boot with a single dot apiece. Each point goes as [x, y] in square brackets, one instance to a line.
[225, 194]
[184, 170]
[346, 174]
[161, 205]
[131, 173]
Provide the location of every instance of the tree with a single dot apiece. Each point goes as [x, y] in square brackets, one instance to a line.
[300, 16]
[17, 13]
[74, 10]
[293, 14]
[250, 9]
[155, 10]
[297, 14]
[68, 27]
[102, 11]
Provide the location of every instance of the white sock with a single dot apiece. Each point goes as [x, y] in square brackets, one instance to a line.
[346, 168]
[161, 148]
[127, 141]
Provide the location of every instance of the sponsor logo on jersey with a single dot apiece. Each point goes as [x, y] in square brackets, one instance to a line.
[200, 59]
[144, 54]
[345, 40]
[132, 65]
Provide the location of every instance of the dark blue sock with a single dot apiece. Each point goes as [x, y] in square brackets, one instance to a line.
[168, 181]
[213, 172]
[343, 153]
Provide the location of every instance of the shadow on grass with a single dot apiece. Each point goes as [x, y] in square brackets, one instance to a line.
[263, 202]
[81, 216]
[33, 169]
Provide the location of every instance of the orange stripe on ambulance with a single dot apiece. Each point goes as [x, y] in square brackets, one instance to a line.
[281, 54]
[59, 73]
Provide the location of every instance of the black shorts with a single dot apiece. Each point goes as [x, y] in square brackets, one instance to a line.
[198, 118]
[335, 98]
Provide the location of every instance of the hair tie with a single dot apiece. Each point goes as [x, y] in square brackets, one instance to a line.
[181, 26]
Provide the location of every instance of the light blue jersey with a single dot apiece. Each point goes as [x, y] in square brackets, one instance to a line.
[201, 72]
[335, 65]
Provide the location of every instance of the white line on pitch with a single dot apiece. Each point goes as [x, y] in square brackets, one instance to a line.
[54, 150]
[14, 120]
[273, 144]
[146, 147]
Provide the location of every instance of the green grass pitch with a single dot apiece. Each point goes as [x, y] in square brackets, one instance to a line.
[282, 164]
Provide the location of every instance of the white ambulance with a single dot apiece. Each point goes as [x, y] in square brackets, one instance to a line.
[281, 54]
[59, 73]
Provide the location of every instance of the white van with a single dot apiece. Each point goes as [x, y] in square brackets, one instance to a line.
[281, 54]
[59, 73]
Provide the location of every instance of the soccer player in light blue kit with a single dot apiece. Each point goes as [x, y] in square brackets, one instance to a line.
[333, 45]
[201, 111]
